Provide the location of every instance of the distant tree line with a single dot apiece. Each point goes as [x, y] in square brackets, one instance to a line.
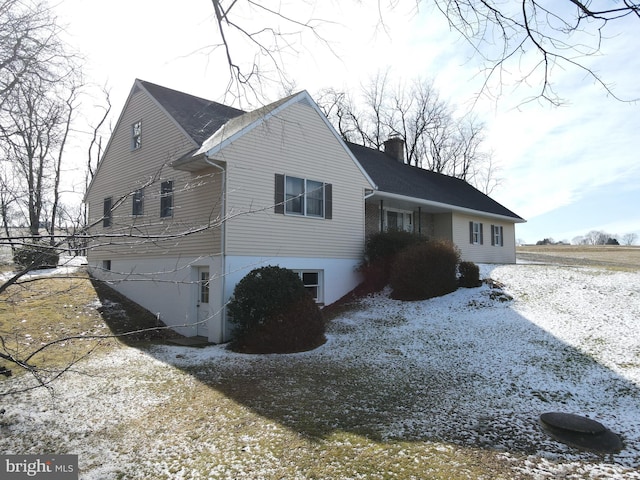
[595, 237]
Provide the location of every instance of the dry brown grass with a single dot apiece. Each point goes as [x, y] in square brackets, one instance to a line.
[612, 256]
[46, 310]
[54, 312]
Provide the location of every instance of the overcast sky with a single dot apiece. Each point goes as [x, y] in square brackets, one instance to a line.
[567, 170]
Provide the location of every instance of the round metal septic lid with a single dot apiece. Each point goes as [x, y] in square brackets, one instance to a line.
[572, 422]
[580, 432]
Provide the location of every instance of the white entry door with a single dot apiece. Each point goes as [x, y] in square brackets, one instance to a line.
[202, 305]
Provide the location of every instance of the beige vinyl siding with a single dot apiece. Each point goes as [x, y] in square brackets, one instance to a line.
[485, 253]
[296, 143]
[123, 170]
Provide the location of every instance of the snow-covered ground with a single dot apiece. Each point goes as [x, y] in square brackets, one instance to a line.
[66, 265]
[476, 367]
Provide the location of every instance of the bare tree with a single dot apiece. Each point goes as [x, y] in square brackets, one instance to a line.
[270, 32]
[38, 86]
[536, 38]
[530, 40]
[35, 130]
[434, 138]
[629, 238]
[339, 107]
[596, 237]
[30, 45]
[578, 240]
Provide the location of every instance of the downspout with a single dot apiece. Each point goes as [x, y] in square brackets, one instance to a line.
[223, 245]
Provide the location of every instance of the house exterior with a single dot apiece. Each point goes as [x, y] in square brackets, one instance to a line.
[436, 206]
[191, 195]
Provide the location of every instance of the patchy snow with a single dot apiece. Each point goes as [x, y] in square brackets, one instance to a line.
[66, 265]
[477, 367]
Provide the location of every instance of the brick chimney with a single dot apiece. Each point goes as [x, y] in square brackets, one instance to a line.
[394, 147]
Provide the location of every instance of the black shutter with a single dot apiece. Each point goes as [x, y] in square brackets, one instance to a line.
[501, 236]
[481, 235]
[471, 232]
[278, 198]
[493, 234]
[328, 201]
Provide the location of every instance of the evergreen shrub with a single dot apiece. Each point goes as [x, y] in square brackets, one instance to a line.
[379, 254]
[272, 312]
[469, 275]
[425, 270]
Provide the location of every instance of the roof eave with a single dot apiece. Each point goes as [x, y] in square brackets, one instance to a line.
[446, 206]
[191, 162]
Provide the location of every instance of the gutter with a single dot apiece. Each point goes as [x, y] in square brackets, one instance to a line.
[223, 245]
[446, 206]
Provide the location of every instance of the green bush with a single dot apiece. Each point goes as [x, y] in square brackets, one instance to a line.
[36, 256]
[272, 312]
[379, 254]
[469, 275]
[425, 271]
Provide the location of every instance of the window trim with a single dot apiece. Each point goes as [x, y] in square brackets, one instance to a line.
[282, 203]
[137, 202]
[497, 235]
[136, 135]
[406, 214]
[304, 197]
[166, 196]
[476, 236]
[319, 298]
[107, 209]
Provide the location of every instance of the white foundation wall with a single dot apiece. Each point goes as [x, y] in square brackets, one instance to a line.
[339, 274]
[168, 287]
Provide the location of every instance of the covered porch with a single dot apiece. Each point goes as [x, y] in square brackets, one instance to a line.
[392, 212]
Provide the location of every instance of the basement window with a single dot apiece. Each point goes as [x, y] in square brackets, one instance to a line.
[313, 280]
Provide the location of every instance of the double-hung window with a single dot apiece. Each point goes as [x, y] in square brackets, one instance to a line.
[138, 202]
[398, 220]
[301, 196]
[497, 235]
[294, 195]
[314, 198]
[475, 233]
[312, 280]
[136, 135]
[107, 205]
[166, 198]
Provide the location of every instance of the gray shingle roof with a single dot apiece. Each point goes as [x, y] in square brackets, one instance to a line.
[394, 177]
[199, 117]
[238, 123]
